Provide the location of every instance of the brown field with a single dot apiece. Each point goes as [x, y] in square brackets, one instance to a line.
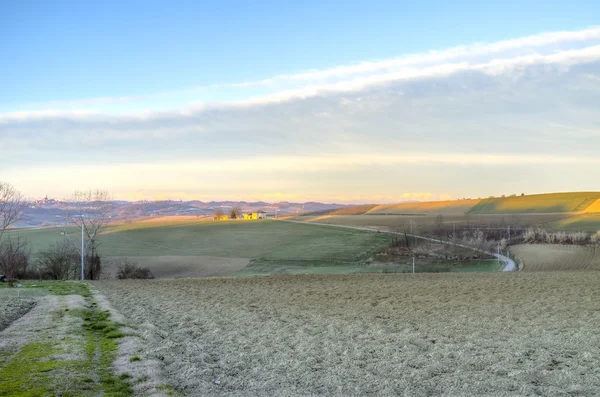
[545, 257]
[171, 266]
[459, 335]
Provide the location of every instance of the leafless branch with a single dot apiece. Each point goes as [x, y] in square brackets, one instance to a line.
[12, 205]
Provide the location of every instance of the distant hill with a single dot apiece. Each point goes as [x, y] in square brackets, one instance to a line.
[49, 212]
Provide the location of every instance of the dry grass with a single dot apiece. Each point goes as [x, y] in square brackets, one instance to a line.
[545, 257]
[495, 334]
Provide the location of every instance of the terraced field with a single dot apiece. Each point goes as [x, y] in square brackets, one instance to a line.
[549, 257]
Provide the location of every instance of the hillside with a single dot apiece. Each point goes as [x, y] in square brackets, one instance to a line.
[537, 203]
[425, 208]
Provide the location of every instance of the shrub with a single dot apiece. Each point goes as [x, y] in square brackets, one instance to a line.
[128, 269]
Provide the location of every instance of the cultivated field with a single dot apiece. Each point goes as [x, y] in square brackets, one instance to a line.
[428, 223]
[451, 207]
[385, 335]
[537, 203]
[588, 222]
[547, 257]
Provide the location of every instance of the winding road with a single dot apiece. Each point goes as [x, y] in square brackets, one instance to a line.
[509, 266]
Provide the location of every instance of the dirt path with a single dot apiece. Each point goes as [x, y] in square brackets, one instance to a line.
[75, 345]
[509, 266]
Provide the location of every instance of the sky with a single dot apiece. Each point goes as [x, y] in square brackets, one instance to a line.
[348, 102]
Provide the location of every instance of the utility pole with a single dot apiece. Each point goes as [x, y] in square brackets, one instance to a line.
[508, 232]
[498, 252]
[413, 264]
[82, 249]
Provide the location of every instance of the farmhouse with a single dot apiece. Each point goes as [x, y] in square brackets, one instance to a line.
[256, 215]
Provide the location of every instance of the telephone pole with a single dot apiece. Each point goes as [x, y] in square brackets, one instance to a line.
[82, 249]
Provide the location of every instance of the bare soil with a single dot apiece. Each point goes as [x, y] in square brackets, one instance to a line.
[502, 334]
[12, 308]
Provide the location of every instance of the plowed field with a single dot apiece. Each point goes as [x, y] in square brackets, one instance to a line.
[425, 334]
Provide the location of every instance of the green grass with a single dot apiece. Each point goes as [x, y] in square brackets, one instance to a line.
[237, 239]
[537, 203]
[274, 247]
[36, 370]
[45, 287]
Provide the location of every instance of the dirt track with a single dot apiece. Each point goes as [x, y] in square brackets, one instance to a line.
[477, 334]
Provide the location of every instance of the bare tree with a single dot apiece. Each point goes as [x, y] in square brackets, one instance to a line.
[12, 205]
[90, 210]
[235, 213]
[59, 262]
[219, 214]
[13, 257]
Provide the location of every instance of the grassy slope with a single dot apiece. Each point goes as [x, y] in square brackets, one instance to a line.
[433, 207]
[537, 203]
[263, 241]
[588, 222]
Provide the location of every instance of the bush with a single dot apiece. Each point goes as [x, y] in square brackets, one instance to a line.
[60, 261]
[129, 269]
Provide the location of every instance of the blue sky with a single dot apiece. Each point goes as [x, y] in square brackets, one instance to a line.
[312, 95]
[65, 50]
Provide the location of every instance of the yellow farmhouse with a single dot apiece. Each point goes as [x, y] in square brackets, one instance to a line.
[256, 215]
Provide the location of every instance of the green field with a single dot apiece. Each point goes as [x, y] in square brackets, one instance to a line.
[201, 248]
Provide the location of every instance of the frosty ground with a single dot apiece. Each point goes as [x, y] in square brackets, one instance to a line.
[423, 334]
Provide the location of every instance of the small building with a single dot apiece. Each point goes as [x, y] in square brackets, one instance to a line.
[255, 215]
[221, 217]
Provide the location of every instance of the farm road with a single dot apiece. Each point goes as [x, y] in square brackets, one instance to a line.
[509, 266]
